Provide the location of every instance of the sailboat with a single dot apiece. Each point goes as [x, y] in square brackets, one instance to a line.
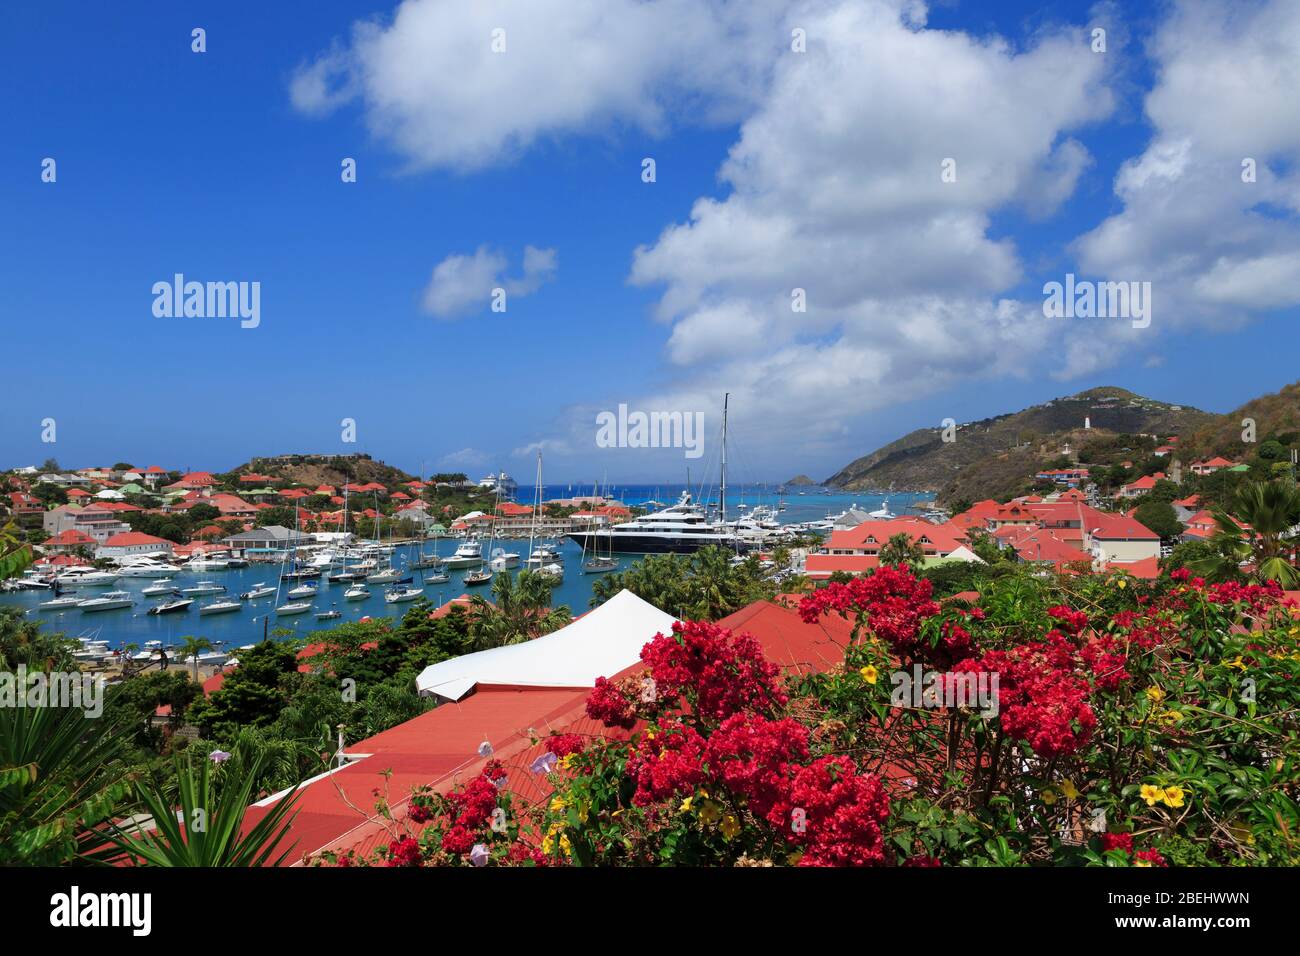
[598, 563]
[292, 607]
[484, 574]
[545, 557]
[389, 574]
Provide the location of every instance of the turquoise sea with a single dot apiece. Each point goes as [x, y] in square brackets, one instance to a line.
[135, 626]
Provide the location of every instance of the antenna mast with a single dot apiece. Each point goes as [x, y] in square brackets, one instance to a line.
[725, 399]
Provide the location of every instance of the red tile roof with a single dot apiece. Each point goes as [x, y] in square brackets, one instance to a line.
[1119, 527]
[131, 538]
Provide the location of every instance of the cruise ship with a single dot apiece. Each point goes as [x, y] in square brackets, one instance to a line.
[682, 528]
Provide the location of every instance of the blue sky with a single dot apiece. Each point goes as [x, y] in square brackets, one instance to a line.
[212, 165]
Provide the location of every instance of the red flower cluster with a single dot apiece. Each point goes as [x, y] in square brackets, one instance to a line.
[1106, 659]
[1073, 621]
[843, 812]
[1117, 841]
[1151, 856]
[717, 672]
[894, 602]
[668, 763]
[471, 808]
[755, 758]
[1042, 700]
[564, 744]
[608, 704]
[404, 852]
[1259, 598]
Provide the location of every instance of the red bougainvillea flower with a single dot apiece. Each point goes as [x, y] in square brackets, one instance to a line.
[418, 813]
[1105, 658]
[564, 744]
[405, 852]
[1071, 620]
[1117, 841]
[757, 759]
[843, 812]
[608, 704]
[922, 860]
[719, 673]
[458, 840]
[667, 762]
[893, 601]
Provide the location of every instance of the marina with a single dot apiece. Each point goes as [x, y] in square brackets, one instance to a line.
[256, 611]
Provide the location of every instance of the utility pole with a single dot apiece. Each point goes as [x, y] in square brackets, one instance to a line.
[725, 399]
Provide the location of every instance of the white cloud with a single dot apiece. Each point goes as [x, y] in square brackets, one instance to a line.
[435, 90]
[465, 458]
[462, 284]
[1214, 247]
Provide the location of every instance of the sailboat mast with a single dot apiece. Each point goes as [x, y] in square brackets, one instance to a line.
[725, 399]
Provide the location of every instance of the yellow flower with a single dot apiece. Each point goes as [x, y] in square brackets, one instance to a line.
[1171, 717]
[1174, 796]
[730, 826]
[1236, 662]
[558, 805]
[1152, 795]
[686, 805]
[869, 674]
[582, 812]
[649, 733]
[709, 812]
[566, 761]
[1122, 582]
[1049, 797]
[1067, 788]
[1155, 695]
[1141, 862]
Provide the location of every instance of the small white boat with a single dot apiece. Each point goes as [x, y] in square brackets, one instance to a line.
[554, 572]
[61, 603]
[161, 586]
[401, 595]
[204, 587]
[503, 559]
[207, 563]
[473, 578]
[386, 576]
[170, 607]
[328, 615]
[294, 607]
[220, 606]
[108, 601]
[437, 577]
[599, 565]
[208, 659]
[358, 592]
[258, 590]
[304, 591]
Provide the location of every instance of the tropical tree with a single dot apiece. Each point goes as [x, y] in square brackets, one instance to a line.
[1268, 511]
[901, 548]
[520, 611]
[15, 554]
[192, 647]
[57, 781]
[705, 585]
[204, 827]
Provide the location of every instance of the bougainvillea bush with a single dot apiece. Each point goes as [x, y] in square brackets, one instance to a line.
[1136, 724]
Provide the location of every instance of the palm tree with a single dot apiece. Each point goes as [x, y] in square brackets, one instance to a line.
[192, 647]
[902, 549]
[57, 781]
[205, 829]
[1270, 510]
[520, 611]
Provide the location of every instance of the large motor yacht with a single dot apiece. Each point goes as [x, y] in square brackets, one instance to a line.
[682, 528]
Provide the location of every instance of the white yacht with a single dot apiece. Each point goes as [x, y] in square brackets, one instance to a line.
[304, 590]
[147, 568]
[468, 555]
[258, 590]
[201, 588]
[84, 577]
[402, 595]
[220, 606]
[212, 562]
[682, 528]
[108, 601]
[358, 592]
[159, 587]
[61, 603]
[293, 607]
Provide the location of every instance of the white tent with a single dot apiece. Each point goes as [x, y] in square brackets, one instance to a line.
[599, 644]
[963, 553]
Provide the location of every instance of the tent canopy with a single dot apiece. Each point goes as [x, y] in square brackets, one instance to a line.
[601, 643]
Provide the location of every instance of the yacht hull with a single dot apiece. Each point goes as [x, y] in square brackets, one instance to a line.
[651, 543]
